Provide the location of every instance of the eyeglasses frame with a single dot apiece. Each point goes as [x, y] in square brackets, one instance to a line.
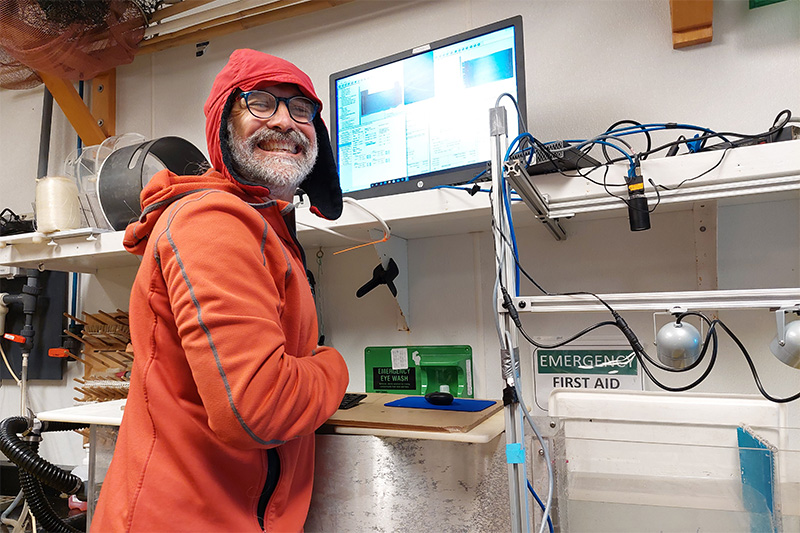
[278, 99]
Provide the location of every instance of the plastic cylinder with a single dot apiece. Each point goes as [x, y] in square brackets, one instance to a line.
[58, 207]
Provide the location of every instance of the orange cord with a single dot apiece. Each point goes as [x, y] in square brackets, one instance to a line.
[385, 238]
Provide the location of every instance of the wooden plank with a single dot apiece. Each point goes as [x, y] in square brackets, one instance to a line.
[691, 22]
[372, 413]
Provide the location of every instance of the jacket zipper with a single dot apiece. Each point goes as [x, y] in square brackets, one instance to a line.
[273, 474]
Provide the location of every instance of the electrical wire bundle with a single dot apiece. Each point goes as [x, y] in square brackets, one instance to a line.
[527, 147]
[524, 147]
[603, 140]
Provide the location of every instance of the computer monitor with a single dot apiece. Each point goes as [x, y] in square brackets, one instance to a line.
[419, 119]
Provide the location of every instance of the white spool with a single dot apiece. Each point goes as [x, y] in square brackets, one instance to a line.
[57, 204]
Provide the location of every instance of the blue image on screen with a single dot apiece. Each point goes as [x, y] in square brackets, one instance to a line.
[381, 101]
[486, 69]
[418, 76]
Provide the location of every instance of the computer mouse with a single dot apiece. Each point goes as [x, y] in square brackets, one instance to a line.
[439, 398]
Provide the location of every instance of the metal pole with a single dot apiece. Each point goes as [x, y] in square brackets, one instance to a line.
[504, 259]
[44, 133]
[28, 297]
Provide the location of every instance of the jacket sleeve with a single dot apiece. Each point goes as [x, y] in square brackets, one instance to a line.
[237, 308]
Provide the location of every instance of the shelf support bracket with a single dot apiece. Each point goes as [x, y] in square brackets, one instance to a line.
[396, 248]
[76, 111]
[533, 198]
[103, 106]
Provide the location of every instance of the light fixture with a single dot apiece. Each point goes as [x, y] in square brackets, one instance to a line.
[786, 344]
[678, 344]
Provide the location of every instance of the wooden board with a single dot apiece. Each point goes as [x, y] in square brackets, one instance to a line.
[372, 413]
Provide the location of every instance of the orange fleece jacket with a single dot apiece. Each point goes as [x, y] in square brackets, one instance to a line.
[226, 366]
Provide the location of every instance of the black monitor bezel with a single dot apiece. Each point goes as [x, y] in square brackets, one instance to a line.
[452, 176]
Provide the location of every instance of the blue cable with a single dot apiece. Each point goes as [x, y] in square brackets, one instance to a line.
[74, 303]
[507, 205]
[541, 504]
[516, 141]
[657, 126]
[478, 176]
[605, 143]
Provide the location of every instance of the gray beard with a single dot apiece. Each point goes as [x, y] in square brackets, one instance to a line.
[280, 174]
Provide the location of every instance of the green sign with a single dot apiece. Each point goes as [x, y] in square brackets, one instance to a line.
[615, 362]
[584, 368]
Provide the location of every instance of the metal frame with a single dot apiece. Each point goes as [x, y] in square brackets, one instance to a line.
[504, 259]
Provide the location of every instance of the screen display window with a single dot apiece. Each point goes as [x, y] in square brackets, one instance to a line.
[421, 119]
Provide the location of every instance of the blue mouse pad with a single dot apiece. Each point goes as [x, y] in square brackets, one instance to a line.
[459, 404]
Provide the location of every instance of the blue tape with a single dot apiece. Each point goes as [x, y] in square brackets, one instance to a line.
[515, 453]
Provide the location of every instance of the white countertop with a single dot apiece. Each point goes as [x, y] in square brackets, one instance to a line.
[102, 413]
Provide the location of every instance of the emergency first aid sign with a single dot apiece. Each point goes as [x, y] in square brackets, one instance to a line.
[584, 368]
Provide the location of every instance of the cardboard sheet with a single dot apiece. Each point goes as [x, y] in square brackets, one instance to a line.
[372, 413]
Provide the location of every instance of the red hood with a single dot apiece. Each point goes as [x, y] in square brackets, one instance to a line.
[245, 70]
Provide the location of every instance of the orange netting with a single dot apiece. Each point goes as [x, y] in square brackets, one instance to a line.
[71, 39]
[14, 75]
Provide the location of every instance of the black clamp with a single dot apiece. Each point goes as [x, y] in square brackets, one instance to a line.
[381, 276]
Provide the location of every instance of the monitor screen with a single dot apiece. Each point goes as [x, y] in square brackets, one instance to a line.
[420, 118]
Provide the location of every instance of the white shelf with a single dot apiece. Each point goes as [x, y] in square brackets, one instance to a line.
[744, 171]
[412, 215]
[662, 301]
[83, 250]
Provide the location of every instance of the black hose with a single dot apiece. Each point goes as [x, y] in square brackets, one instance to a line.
[19, 453]
[40, 506]
[33, 468]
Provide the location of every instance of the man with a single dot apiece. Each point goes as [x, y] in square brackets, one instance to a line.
[228, 384]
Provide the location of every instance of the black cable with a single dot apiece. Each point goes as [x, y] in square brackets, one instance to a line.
[641, 126]
[778, 125]
[638, 349]
[567, 341]
[724, 152]
[753, 368]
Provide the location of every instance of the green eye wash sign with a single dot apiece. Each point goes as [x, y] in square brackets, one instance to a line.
[584, 368]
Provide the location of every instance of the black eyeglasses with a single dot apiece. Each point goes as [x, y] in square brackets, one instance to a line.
[263, 104]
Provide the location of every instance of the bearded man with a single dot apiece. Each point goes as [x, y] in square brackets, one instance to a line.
[228, 384]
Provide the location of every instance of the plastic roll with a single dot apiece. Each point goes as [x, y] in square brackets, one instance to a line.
[57, 205]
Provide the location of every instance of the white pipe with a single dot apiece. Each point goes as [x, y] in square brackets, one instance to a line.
[3, 312]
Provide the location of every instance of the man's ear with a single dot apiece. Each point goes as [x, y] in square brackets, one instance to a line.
[322, 184]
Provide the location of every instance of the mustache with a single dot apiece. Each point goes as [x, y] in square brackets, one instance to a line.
[272, 135]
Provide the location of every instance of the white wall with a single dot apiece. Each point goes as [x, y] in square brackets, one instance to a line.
[589, 64]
